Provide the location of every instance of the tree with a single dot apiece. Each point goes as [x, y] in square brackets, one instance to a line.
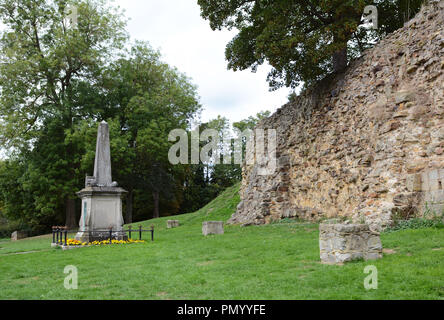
[145, 100]
[154, 99]
[47, 70]
[252, 121]
[303, 40]
[43, 60]
[223, 175]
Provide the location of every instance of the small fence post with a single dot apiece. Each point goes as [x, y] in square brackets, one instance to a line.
[152, 233]
[66, 236]
[53, 235]
[110, 235]
[140, 232]
[129, 231]
[57, 231]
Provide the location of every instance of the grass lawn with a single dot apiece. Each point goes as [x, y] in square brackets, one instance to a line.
[277, 261]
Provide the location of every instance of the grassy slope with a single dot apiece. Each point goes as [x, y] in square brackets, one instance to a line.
[278, 261]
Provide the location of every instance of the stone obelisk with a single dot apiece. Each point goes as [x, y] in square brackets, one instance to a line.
[101, 197]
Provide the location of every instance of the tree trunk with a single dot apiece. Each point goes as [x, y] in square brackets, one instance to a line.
[156, 204]
[129, 207]
[71, 221]
[340, 60]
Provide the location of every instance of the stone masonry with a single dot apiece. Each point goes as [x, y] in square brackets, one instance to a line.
[339, 243]
[354, 145]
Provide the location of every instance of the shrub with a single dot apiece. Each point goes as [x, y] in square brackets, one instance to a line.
[430, 219]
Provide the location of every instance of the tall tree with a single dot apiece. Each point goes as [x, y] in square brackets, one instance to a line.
[303, 40]
[47, 65]
[155, 99]
[145, 100]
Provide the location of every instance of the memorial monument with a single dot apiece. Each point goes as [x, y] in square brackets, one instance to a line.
[101, 197]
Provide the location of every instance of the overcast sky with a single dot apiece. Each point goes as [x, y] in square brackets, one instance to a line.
[187, 42]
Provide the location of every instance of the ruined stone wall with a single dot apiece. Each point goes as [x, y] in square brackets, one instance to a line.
[354, 145]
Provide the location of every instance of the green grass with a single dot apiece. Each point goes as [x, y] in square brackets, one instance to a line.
[277, 261]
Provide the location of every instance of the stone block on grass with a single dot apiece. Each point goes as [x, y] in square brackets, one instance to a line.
[340, 243]
[172, 224]
[212, 227]
[18, 235]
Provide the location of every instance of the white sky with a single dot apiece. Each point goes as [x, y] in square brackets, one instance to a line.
[187, 42]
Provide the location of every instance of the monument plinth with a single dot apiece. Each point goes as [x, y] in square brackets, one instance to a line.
[101, 197]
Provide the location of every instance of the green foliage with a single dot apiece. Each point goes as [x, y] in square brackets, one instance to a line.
[208, 180]
[6, 227]
[299, 38]
[49, 76]
[416, 223]
[252, 121]
[204, 181]
[57, 81]
[430, 219]
[146, 99]
[44, 62]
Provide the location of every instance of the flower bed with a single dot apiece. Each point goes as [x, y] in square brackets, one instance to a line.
[73, 242]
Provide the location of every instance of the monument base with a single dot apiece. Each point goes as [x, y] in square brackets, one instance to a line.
[102, 211]
[84, 236]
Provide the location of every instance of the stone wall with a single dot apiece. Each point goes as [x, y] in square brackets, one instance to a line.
[351, 145]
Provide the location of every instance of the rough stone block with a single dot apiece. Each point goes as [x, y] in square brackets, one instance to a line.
[18, 235]
[172, 224]
[212, 227]
[340, 243]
